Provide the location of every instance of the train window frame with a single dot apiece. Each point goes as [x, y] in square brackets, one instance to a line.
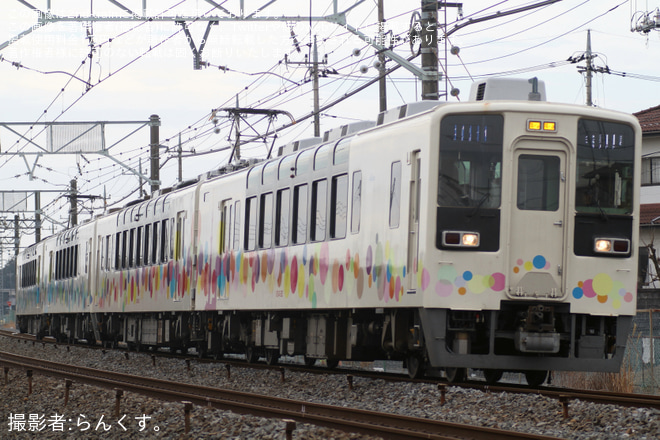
[322, 156]
[236, 245]
[530, 197]
[179, 236]
[282, 223]
[155, 242]
[117, 259]
[339, 213]
[395, 194]
[250, 229]
[265, 236]
[145, 244]
[318, 211]
[299, 216]
[131, 248]
[164, 240]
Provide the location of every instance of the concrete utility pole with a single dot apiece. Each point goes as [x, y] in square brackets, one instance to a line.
[37, 216]
[589, 68]
[382, 84]
[154, 123]
[73, 203]
[314, 71]
[429, 50]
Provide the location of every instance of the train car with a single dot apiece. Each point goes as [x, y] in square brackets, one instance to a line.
[497, 234]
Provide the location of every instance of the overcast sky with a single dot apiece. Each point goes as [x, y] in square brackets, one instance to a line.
[137, 69]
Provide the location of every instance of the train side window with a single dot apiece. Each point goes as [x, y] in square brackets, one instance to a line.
[131, 248]
[154, 243]
[395, 194]
[106, 261]
[145, 248]
[87, 246]
[339, 206]
[237, 225]
[282, 217]
[356, 202]
[117, 264]
[266, 221]
[50, 266]
[124, 249]
[319, 210]
[299, 227]
[179, 237]
[75, 260]
[138, 246]
[250, 232]
[226, 213]
[170, 234]
[67, 263]
[164, 241]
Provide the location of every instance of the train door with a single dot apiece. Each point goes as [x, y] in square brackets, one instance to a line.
[413, 219]
[538, 220]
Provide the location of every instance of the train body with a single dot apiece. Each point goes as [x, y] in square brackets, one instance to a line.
[497, 234]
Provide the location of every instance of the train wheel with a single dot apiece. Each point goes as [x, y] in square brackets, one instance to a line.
[201, 350]
[492, 376]
[272, 357]
[250, 354]
[309, 362]
[415, 366]
[332, 363]
[456, 375]
[535, 377]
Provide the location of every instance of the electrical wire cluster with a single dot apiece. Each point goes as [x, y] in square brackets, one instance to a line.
[284, 86]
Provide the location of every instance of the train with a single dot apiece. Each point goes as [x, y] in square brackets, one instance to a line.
[495, 234]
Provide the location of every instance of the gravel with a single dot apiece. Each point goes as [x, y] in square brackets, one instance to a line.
[90, 412]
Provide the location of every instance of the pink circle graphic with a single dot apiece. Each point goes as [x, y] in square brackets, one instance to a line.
[500, 281]
[588, 289]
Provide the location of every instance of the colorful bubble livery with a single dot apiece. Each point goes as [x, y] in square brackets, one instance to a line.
[496, 235]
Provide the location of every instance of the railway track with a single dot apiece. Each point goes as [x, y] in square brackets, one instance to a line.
[563, 395]
[390, 426]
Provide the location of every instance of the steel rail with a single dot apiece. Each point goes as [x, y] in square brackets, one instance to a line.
[389, 426]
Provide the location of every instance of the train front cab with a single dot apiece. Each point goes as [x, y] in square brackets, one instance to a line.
[533, 241]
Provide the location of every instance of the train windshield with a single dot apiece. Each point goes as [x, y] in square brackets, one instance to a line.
[605, 166]
[470, 169]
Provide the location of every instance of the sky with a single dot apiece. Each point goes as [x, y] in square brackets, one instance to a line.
[73, 71]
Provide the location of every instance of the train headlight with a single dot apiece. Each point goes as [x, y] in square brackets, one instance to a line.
[460, 239]
[616, 246]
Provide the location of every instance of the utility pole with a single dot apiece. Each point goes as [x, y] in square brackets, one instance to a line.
[382, 84]
[37, 216]
[154, 123]
[237, 124]
[73, 203]
[314, 70]
[429, 50]
[179, 153]
[589, 68]
[315, 76]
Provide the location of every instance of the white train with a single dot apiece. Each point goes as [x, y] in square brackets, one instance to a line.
[497, 234]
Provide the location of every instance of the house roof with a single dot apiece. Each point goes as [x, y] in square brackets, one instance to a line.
[649, 119]
[648, 212]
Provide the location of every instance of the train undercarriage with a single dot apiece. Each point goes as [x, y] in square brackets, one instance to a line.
[531, 338]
